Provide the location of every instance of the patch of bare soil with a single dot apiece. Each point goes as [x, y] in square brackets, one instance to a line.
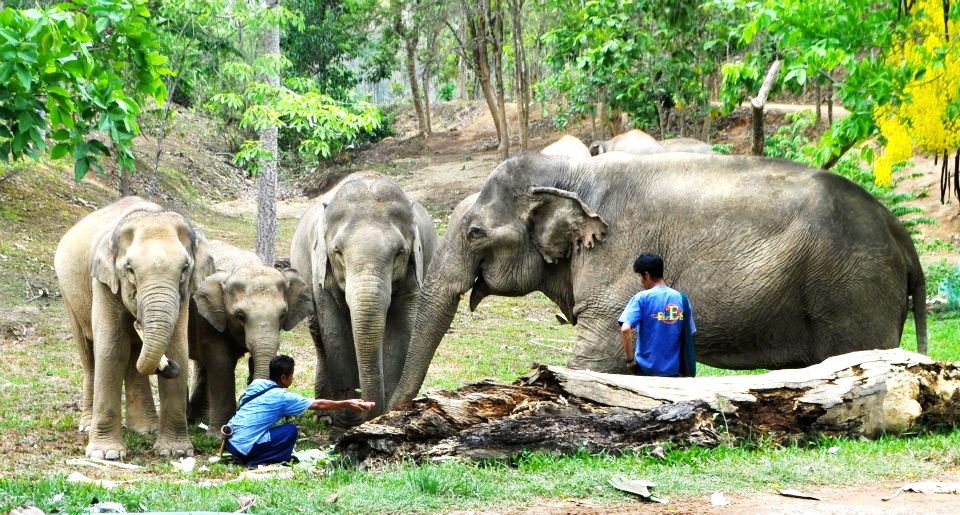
[946, 214]
[848, 500]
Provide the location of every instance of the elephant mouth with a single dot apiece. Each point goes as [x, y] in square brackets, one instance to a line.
[480, 290]
[168, 368]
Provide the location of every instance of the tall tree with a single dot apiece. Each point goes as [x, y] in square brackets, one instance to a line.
[405, 25]
[266, 244]
[484, 44]
[521, 73]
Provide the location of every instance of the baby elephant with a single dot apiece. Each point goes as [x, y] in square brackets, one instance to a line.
[239, 309]
[632, 142]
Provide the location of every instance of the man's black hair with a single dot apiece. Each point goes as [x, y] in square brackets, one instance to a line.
[649, 262]
[280, 365]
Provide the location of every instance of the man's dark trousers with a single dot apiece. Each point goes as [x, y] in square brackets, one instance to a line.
[277, 450]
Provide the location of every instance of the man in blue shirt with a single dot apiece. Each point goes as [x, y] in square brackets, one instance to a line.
[253, 439]
[664, 322]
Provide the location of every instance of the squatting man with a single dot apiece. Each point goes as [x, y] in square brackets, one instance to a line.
[252, 437]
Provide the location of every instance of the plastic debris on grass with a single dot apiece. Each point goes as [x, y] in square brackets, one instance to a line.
[927, 487]
[185, 465]
[787, 492]
[105, 507]
[638, 487]
[718, 499]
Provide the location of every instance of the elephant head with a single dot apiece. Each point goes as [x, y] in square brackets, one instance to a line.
[369, 253]
[515, 238]
[634, 141]
[254, 304]
[155, 260]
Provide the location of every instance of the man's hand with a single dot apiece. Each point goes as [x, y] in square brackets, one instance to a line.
[633, 367]
[351, 404]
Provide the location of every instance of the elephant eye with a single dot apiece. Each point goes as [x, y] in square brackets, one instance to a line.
[130, 273]
[241, 316]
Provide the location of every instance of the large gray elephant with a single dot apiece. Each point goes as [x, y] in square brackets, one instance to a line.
[567, 146]
[363, 248]
[240, 309]
[126, 274]
[784, 265]
[632, 142]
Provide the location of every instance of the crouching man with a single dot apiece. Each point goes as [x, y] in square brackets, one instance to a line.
[252, 437]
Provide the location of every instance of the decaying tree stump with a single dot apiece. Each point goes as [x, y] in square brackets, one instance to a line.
[864, 393]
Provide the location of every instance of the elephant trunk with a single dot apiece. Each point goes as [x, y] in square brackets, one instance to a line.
[158, 311]
[451, 274]
[368, 297]
[263, 346]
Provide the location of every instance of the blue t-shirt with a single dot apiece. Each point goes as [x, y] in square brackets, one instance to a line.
[657, 315]
[251, 423]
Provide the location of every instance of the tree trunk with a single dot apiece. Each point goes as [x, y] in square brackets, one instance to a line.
[757, 104]
[461, 78]
[829, 104]
[495, 27]
[267, 179]
[521, 73]
[410, 59]
[819, 102]
[867, 393]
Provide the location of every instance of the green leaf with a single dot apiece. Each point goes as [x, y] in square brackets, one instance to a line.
[80, 167]
[80, 23]
[59, 150]
[24, 76]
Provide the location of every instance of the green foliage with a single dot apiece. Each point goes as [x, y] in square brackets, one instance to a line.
[74, 68]
[641, 57]
[446, 92]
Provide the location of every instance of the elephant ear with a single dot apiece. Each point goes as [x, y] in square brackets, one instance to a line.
[418, 255]
[210, 300]
[203, 264]
[319, 257]
[563, 223]
[105, 262]
[299, 299]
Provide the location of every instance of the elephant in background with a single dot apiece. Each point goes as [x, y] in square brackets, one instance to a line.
[784, 265]
[126, 273]
[632, 142]
[363, 248]
[239, 309]
[567, 146]
[689, 145]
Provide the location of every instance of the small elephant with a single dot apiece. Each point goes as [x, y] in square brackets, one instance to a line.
[363, 248]
[632, 142]
[239, 309]
[784, 265]
[688, 145]
[126, 273]
[567, 146]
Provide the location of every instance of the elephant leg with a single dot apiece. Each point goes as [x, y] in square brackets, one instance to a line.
[172, 439]
[199, 405]
[141, 413]
[598, 346]
[111, 354]
[85, 346]
[321, 386]
[221, 364]
[396, 339]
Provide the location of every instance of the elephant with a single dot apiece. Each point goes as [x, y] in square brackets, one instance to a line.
[784, 265]
[239, 309]
[632, 142]
[363, 248]
[689, 145]
[567, 146]
[126, 273]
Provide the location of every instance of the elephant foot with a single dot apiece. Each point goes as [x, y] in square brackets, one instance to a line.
[86, 422]
[171, 448]
[106, 451]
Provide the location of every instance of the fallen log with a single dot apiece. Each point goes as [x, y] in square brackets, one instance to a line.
[557, 409]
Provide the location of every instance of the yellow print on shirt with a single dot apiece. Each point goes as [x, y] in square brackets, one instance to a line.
[670, 315]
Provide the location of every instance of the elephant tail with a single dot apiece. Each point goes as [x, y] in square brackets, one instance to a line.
[919, 294]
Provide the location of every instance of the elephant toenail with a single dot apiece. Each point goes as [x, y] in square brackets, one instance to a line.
[113, 455]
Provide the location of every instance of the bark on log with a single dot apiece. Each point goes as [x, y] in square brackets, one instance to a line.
[865, 393]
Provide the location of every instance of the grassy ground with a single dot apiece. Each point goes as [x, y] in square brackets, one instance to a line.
[40, 386]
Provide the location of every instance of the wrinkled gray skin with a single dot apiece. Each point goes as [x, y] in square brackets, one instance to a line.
[126, 267]
[240, 309]
[363, 248]
[632, 142]
[567, 146]
[784, 265]
[689, 145]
